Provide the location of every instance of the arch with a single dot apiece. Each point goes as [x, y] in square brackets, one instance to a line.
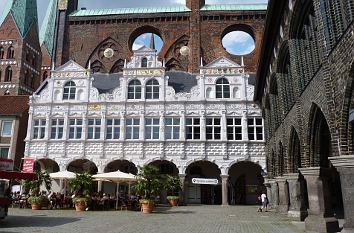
[2, 52]
[236, 93]
[80, 94]
[48, 165]
[134, 89]
[118, 66]
[141, 30]
[8, 74]
[281, 160]
[98, 67]
[208, 93]
[301, 10]
[175, 61]
[165, 167]
[245, 182]
[294, 162]
[152, 89]
[144, 62]
[222, 87]
[69, 92]
[10, 53]
[82, 165]
[239, 27]
[275, 111]
[121, 165]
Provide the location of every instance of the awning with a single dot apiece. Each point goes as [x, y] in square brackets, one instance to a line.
[14, 175]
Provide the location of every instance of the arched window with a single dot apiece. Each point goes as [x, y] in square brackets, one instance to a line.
[2, 52]
[152, 89]
[33, 79]
[144, 62]
[8, 74]
[69, 91]
[26, 81]
[0, 74]
[134, 90]
[45, 75]
[10, 53]
[222, 88]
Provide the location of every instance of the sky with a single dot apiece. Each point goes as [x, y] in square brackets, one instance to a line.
[237, 43]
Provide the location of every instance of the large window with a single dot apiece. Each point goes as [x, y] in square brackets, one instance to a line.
[255, 129]
[132, 128]
[39, 129]
[113, 129]
[152, 128]
[94, 129]
[152, 89]
[57, 127]
[69, 91]
[222, 88]
[75, 128]
[234, 129]
[192, 128]
[213, 129]
[134, 90]
[172, 127]
[4, 152]
[6, 128]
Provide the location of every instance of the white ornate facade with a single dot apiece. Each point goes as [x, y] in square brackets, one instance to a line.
[147, 114]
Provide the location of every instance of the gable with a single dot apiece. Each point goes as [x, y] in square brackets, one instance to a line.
[144, 49]
[222, 62]
[70, 66]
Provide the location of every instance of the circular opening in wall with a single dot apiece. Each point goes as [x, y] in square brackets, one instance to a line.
[238, 43]
[149, 40]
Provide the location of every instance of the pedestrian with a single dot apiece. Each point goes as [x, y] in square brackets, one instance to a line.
[259, 202]
[264, 202]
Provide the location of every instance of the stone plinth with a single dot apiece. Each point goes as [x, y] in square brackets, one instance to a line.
[283, 190]
[275, 193]
[297, 208]
[269, 190]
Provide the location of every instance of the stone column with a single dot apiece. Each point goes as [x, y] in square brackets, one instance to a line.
[297, 208]
[320, 218]
[345, 167]
[275, 193]
[283, 190]
[182, 199]
[269, 190]
[224, 189]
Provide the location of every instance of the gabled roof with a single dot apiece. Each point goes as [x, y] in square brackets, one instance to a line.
[13, 105]
[70, 66]
[144, 49]
[235, 7]
[46, 34]
[24, 12]
[222, 62]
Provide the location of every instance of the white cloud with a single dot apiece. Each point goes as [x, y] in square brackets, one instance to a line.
[238, 43]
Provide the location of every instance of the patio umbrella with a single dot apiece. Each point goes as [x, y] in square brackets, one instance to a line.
[63, 175]
[117, 177]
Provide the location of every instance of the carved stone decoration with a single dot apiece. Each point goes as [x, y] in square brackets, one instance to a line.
[94, 94]
[98, 67]
[175, 60]
[118, 66]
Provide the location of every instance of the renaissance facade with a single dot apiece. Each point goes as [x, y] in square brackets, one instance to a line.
[201, 125]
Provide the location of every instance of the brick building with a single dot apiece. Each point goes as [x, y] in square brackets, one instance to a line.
[304, 86]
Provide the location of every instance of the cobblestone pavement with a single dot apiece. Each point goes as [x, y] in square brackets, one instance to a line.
[183, 219]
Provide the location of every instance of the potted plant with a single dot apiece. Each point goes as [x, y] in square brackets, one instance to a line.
[150, 183]
[36, 200]
[81, 185]
[172, 186]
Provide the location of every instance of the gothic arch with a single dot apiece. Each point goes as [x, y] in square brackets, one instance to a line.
[141, 30]
[175, 61]
[118, 66]
[98, 67]
[294, 161]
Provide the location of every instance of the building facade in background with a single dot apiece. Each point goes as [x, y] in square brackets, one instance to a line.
[193, 125]
[305, 88]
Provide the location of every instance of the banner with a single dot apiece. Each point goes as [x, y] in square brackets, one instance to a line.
[6, 164]
[27, 165]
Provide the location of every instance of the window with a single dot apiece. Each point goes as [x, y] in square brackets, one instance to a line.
[39, 129]
[144, 62]
[2, 52]
[222, 88]
[234, 129]
[10, 53]
[6, 128]
[192, 128]
[152, 89]
[213, 129]
[45, 76]
[8, 74]
[132, 129]
[134, 90]
[56, 131]
[26, 81]
[113, 129]
[75, 128]
[94, 129]
[4, 152]
[255, 129]
[69, 91]
[172, 127]
[32, 80]
[0, 74]
[152, 128]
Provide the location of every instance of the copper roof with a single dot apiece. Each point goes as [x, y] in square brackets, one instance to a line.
[13, 105]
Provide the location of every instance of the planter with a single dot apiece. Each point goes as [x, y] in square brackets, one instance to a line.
[173, 202]
[80, 206]
[147, 207]
[36, 206]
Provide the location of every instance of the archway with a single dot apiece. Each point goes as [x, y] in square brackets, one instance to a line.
[203, 193]
[81, 166]
[245, 183]
[49, 166]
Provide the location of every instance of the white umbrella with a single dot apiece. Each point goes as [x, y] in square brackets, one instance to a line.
[63, 175]
[117, 177]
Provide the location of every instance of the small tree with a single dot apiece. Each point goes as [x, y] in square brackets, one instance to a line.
[150, 181]
[172, 185]
[82, 184]
[42, 177]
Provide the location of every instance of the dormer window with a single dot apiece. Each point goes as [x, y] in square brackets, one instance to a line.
[69, 91]
[144, 62]
[134, 89]
[222, 88]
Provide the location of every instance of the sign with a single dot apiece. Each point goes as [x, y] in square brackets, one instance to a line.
[6, 164]
[27, 165]
[205, 181]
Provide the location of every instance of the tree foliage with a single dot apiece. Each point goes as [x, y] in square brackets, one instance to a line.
[82, 184]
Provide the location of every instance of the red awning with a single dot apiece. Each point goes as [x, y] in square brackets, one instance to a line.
[14, 175]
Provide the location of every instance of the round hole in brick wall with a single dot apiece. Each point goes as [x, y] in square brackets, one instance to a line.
[145, 39]
[238, 43]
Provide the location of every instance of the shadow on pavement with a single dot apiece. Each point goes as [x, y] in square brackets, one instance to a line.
[172, 210]
[35, 221]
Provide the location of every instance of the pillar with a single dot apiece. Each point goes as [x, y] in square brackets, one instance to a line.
[283, 198]
[320, 215]
[99, 186]
[345, 167]
[224, 189]
[182, 193]
[297, 208]
[269, 190]
[275, 193]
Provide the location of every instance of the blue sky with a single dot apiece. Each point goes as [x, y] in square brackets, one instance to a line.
[235, 42]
